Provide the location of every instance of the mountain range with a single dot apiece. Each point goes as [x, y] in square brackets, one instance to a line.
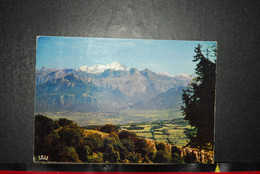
[104, 88]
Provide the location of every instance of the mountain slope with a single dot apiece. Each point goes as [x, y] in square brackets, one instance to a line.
[112, 88]
[170, 99]
[72, 94]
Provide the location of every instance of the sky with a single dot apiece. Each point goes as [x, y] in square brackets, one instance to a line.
[171, 56]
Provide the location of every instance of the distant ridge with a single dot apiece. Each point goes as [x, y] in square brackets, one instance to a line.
[106, 88]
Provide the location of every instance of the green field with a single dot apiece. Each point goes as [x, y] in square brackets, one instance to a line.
[163, 131]
[161, 125]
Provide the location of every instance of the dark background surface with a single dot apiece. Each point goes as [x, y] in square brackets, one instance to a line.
[234, 24]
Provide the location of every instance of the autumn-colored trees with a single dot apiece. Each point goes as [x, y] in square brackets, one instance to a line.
[64, 141]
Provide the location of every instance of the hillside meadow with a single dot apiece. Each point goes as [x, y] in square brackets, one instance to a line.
[62, 140]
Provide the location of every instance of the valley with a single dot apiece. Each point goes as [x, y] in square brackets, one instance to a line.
[143, 102]
[168, 131]
[160, 125]
[120, 117]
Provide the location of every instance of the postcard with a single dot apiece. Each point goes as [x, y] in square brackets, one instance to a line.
[110, 100]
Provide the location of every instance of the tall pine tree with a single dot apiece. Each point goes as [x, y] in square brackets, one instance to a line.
[199, 99]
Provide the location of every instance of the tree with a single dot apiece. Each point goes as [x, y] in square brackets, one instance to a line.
[65, 122]
[176, 156]
[109, 128]
[128, 144]
[71, 155]
[134, 157]
[94, 141]
[71, 136]
[83, 153]
[160, 146]
[199, 98]
[141, 146]
[124, 134]
[162, 156]
[44, 126]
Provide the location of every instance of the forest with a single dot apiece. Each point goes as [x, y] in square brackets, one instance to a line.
[63, 140]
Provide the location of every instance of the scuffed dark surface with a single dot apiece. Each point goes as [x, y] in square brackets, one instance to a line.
[234, 24]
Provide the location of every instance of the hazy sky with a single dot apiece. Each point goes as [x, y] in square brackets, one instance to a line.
[174, 57]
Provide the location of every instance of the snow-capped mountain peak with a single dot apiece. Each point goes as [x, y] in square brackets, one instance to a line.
[116, 66]
[101, 68]
[174, 76]
[166, 74]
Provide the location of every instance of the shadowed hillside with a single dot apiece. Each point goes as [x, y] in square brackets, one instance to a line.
[63, 140]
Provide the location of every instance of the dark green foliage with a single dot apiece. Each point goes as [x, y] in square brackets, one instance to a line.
[176, 156]
[108, 145]
[126, 135]
[176, 150]
[190, 158]
[83, 152]
[92, 127]
[43, 125]
[122, 151]
[128, 144]
[162, 157]
[157, 126]
[113, 157]
[95, 158]
[109, 128]
[53, 145]
[134, 127]
[109, 151]
[199, 99]
[113, 150]
[151, 155]
[70, 155]
[160, 146]
[163, 154]
[140, 146]
[134, 157]
[65, 122]
[70, 137]
[190, 133]
[94, 141]
[58, 145]
[56, 125]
